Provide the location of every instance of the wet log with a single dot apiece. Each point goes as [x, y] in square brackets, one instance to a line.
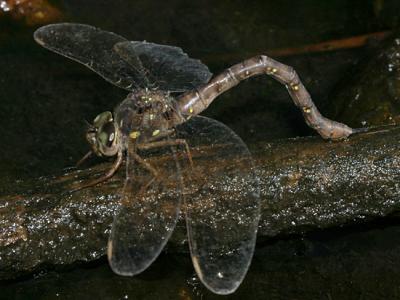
[306, 184]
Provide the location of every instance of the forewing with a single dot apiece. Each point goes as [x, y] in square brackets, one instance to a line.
[222, 204]
[148, 212]
[93, 48]
[167, 67]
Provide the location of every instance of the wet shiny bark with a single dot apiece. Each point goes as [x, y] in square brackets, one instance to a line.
[306, 184]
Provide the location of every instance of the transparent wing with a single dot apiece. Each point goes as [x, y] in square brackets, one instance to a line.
[148, 213]
[167, 67]
[222, 204]
[93, 48]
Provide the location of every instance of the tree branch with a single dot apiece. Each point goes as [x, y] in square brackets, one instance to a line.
[307, 183]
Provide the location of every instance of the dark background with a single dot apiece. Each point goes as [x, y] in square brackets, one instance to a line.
[45, 99]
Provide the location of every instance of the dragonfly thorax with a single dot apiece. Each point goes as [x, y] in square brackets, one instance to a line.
[145, 114]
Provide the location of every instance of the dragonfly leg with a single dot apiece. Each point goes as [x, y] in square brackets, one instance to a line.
[145, 164]
[177, 142]
[84, 158]
[194, 102]
[108, 175]
[148, 166]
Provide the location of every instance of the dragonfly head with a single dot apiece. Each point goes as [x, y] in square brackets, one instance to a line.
[102, 135]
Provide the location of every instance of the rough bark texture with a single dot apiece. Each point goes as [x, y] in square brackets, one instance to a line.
[306, 184]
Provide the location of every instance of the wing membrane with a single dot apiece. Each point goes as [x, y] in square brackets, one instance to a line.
[167, 67]
[93, 48]
[222, 204]
[148, 213]
[123, 63]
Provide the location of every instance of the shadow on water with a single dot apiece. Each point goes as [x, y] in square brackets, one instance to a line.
[45, 100]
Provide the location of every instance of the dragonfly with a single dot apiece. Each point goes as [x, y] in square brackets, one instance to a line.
[176, 162]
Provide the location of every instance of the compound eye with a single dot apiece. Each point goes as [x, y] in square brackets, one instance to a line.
[106, 135]
[102, 119]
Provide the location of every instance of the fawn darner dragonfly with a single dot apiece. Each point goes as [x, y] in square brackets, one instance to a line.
[167, 150]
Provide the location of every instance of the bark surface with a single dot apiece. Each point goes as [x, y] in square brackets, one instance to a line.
[306, 184]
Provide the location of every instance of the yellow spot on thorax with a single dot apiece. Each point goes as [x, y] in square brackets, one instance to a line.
[134, 134]
[156, 132]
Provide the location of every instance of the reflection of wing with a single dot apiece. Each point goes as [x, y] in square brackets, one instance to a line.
[222, 204]
[93, 48]
[169, 68]
[148, 212]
